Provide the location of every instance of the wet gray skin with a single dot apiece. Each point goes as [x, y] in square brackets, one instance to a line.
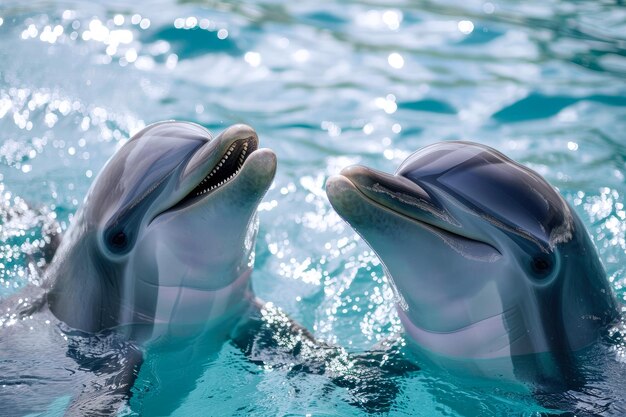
[163, 244]
[495, 273]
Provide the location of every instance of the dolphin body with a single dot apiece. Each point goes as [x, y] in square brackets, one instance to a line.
[495, 273]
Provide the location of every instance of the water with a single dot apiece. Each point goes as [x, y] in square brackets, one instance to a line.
[325, 84]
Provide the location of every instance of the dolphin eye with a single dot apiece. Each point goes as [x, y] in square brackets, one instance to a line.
[119, 240]
[541, 265]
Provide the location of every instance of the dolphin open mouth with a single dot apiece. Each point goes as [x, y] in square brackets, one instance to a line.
[223, 171]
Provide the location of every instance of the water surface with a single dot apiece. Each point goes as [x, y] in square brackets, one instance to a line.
[325, 84]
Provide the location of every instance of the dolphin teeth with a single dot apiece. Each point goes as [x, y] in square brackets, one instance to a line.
[225, 169]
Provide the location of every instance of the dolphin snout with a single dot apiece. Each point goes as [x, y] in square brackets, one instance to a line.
[219, 145]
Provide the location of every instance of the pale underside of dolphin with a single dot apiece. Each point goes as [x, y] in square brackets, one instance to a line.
[494, 271]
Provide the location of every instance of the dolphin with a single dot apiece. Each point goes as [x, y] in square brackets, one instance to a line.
[164, 241]
[495, 273]
[161, 250]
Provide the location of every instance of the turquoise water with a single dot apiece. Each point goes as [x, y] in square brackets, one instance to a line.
[325, 84]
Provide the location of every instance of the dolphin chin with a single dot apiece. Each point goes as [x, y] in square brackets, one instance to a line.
[487, 259]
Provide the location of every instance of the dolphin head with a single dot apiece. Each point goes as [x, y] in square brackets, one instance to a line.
[165, 237]
[488, 260]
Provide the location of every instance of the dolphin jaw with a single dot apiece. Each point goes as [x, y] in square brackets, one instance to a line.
[225, 170]
[408, 200]
[225, 160]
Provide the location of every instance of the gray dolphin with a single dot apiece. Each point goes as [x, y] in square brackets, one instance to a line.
[161, 250]
[164, 241]
[494, 271]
